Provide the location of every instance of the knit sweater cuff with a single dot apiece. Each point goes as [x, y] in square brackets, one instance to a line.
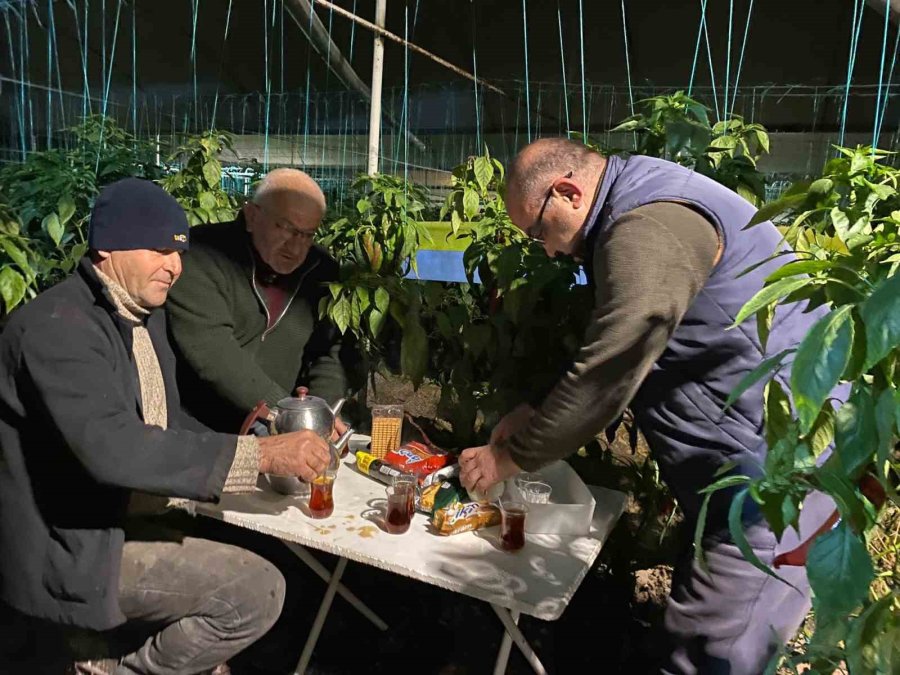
[245, 468]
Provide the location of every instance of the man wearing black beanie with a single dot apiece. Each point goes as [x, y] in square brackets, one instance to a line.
[93, 443]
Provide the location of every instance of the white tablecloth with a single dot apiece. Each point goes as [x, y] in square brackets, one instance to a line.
[539, 580]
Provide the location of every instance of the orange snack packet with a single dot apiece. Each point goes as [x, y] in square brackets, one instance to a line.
[415, 458]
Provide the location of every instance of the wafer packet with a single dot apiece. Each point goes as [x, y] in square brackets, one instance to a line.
[465, 517]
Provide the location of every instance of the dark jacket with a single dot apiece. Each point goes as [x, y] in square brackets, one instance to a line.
[73, 445]
[228, 360]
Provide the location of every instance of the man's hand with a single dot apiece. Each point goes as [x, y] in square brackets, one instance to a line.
[483, 467]
[298, 453]
[513, 421]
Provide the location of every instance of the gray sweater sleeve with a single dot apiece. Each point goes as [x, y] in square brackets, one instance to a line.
[648, 267]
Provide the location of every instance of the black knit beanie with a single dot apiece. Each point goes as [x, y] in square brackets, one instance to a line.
[134, 214]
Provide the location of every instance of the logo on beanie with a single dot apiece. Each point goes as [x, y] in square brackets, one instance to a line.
[180, 238]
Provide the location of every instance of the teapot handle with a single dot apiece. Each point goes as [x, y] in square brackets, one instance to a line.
[260, 412]
[336, 408]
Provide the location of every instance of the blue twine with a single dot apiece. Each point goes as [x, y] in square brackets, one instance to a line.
[627, 59]
[887, 89]
[62, 108]
[737, 76]
[401, 137]
[344, 134]
[26, 68]
[306, 102]
[855, 27]
[50, 78]
[628, 72]
[352, 34]
[134, 129]
[518, 103]
[562, 60]
[102, 43]
[281, 87]
[327, 50]
[475, 87]
[322, 130]
[697, 47]
[712, 75]
[84, 48]
[221, 60]
[19, 111]
[728, 55]
[405, 95]
[108, 80]
[875, 130]
[112, 58]
[195, 8]
[268, 81]
[527, 88]
[583, 86]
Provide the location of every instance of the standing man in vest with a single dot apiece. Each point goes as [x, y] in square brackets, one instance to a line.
[245, 318]
[663, 247]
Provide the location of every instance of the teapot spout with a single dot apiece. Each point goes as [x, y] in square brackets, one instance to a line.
[342, 441]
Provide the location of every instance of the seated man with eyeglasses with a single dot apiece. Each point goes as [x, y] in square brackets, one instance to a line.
[245, 319]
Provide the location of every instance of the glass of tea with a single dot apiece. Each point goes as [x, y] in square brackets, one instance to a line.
[408, 479]
[399, 514]
[512, 525]
[321, 496]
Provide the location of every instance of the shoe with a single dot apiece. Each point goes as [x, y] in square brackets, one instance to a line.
[95, 667]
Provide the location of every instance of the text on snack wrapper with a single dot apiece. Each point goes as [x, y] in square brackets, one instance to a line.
[410, 455]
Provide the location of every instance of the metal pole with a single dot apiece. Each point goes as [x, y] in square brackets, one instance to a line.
[412, 47]
[311, 25]
[377, 71]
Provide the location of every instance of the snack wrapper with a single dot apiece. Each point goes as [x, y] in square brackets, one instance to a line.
[439, 489]
[425, 498]
[416, 458]
[465, 517]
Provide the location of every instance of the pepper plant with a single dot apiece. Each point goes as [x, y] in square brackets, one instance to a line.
[45, 202]
[511, 334]
[376, 245]
[197, 185]
[676, 127]
[844, 231]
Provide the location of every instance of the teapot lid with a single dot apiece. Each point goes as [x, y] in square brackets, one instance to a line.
[303, 401]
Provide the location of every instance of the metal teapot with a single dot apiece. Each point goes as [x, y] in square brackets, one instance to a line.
[295, 413]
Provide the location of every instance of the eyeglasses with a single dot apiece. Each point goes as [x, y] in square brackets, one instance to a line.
[291, 232]
[536, 231]
[287, 230]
